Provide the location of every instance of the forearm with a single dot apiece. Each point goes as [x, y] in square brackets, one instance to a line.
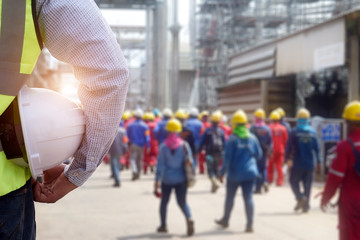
[76, 33]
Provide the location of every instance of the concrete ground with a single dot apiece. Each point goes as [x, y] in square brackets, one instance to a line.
[99, 211]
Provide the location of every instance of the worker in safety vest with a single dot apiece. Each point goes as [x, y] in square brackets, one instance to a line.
[344, 174]
[34, 122]
[279, 139]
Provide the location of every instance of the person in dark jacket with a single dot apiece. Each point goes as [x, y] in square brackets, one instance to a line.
[263, 134]
[303, 147]
[213, 142]
[241, 151]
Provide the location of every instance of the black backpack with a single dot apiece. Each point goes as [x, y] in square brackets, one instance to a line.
[357, 157]
[216, 144]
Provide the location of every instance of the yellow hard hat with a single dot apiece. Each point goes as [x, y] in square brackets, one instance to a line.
[151, 116]
[180, 114]
[126, 115]
[173, 125]
[239, 117]
[352, 111]
[216, 117]
[281, 112]
[148, 116]
[303, 113]
[260, 113]
[205, 113]
[275, 115]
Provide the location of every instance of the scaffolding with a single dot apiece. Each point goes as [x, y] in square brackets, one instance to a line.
[224, 27]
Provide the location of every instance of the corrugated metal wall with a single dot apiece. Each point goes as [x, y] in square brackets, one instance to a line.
[280, 93]
[246, 96]
[267, 94]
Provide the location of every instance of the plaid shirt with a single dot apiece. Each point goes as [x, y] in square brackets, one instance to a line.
[76, 33]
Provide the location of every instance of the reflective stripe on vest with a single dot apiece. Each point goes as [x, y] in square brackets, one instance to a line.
[19, 50]
[19, 44]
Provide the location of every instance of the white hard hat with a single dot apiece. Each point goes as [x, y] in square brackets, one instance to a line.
[52, 125]
[167, 112]
[194, 112]
[138, 113]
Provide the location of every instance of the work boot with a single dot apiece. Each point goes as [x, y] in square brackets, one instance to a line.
[249, 229]
[190, 227]
[214, 185]
[300, 204]
[222, 223]
[266, 187]
[135, 176]
[162, 229]
[257, 191]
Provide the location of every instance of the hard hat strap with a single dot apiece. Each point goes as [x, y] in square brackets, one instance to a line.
[10, 134]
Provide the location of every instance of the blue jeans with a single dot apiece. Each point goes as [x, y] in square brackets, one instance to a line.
[247, 193]
[261, 178]
[180, 192]
[305, 177]
[115, 166]
[17, 214]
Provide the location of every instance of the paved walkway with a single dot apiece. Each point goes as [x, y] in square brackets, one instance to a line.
[99, 211]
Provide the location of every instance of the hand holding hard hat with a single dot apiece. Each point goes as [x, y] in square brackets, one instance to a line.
[52, 128]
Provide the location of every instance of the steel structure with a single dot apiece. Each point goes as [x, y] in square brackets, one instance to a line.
[228, 26]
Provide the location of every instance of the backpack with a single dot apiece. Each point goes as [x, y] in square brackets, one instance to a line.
[357, 157]
[215, 144]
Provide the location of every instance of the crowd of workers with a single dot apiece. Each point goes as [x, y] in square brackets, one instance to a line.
[251, 155]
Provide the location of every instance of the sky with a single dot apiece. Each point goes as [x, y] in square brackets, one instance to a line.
[138, 17]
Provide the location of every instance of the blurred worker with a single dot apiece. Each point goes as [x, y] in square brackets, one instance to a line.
[283, 121]
[170, 174]
[263, 135]
[157, 115]
[125, 159]
[186, 134]
[279, 139]
[213, 142]
[160, 131]
[139, 136]
[118, 148]
[195, 126]
[204, 118]
[150, 155]
[344, 174]
[76, 33]
[303, 147]
[225, 127]
[241, 151]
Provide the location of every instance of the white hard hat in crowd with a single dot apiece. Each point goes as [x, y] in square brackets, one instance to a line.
[138, 113]
[52, 125]
[194, 112]
[167, 112]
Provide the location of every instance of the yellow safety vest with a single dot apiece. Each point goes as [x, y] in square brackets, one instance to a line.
[20, 47]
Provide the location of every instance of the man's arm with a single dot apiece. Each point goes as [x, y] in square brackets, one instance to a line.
[76, 33]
